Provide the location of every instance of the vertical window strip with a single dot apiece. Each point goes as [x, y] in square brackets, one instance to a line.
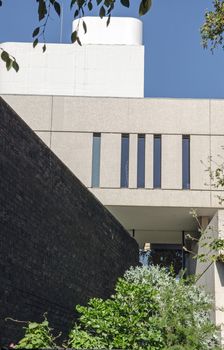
[96, 160]
[186, 161]
[141, 161]
[124, 160]
[157, 148]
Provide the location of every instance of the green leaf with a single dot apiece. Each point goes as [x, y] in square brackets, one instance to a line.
[144, 7]
[15, 66]
[44, 48]
[78, 41]
[80, 3]
[72, 3]
[76, 13]
[102, 12]
[57, 8]
[36, 31]
[74, 36]
[108, 20]
[4, 56]
[84, 27]
[90, 6]
[35, 42]
[33, 325]
[42, 10]
[125, 3]
[9, 63]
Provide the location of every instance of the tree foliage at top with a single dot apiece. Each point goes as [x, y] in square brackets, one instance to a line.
[46, 7]
[213, 27]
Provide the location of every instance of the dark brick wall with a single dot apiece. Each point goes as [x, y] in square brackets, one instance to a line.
[58, 245]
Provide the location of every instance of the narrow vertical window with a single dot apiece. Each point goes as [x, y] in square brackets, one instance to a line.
[141, 161]
[186, 161]
[157, 162]
[124, 160]
[96, 160]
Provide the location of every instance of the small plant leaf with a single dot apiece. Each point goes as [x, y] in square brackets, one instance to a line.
[4, 56]
[84, 26]
[125, 3]
[102, 12]
[57, 8]
[144, 7]
[36, 31]
[74, 36]
[35, 42]
[15, 66]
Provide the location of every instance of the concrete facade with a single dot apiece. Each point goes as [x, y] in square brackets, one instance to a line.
[211, 273]
[67, 125]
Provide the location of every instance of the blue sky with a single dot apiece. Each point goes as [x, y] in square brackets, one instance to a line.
[176, 65]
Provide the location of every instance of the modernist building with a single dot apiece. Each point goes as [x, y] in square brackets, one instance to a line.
[145, 159]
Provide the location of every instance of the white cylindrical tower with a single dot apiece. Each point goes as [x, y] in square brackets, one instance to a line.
[120, 31]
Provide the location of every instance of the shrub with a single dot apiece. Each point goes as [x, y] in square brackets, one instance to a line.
[37, 336]
[150, 309]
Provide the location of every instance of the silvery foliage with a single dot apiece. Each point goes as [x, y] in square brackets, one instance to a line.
[174, 291]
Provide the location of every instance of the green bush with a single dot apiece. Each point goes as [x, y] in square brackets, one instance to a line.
[150, 309]
[37, 336]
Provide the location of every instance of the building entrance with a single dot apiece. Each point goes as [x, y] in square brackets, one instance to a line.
[169, 256]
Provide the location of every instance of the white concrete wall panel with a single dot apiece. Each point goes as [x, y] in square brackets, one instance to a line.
[210, 231]
[34, 110]
[108, 76]
[154, 197]
[133, 148]
[217, 116]
[124, 115]
[165, 116]
[213, 274]
[110, 160]
[217, 159]
[219, 278]
[148, 218]
[152, 116]
[172, 161]
[217, 151]
[217, 198]
[45, 137]
[66, 69]
[91, 114]
[75, 150]
[199, 162]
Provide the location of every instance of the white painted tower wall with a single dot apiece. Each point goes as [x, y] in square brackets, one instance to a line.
[92, 69]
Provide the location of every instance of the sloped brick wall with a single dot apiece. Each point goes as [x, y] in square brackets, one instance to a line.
[58, 245]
